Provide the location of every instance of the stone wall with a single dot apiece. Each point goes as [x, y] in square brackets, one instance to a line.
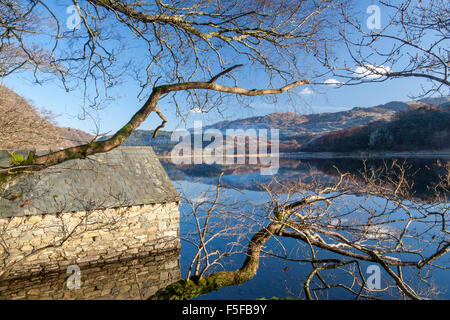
[50, 242]
[128, 279]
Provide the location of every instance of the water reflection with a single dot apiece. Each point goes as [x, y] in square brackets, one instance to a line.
[423, 172]
[140, 278]
[283, 278]
[122, 280]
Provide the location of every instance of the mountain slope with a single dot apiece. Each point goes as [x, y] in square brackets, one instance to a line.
[296, 130]
[23, 127]
[424, 128]
[75, 137]
[293, 125]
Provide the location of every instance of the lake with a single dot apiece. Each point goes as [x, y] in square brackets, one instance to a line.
[245, 187]
[245, 196]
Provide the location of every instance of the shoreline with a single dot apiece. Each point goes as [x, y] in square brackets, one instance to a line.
[369, 155]
[340, 155]
[445, 154]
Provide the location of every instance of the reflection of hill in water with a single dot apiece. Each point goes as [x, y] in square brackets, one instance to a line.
[246, 177]
[423, 172]
[129, 279]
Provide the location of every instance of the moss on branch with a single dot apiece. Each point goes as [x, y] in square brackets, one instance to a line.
[185, 289]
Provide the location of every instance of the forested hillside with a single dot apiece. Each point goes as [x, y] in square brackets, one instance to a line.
[425, 128]
[22, 126]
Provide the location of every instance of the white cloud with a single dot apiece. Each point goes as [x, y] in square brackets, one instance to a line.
[371, 71]
[338, 221]
[196, 110]
[306, 92]
[380, 232]
[199, 199]
[333, 82]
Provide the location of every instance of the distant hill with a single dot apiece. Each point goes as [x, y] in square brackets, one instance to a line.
[293, 125]
[423, 128]
[22, 126]
[75, 136]
[296, 131]
[161, 143]
[438, 101]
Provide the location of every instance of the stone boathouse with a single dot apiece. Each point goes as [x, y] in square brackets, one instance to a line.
[109, 207]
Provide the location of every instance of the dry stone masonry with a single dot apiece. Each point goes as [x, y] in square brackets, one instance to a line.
[110, 207]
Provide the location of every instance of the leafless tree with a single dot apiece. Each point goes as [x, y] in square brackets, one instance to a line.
[213, 218]
[22, 127]
[190, 47]
[182, 41]
[411, 41]
[340, 228]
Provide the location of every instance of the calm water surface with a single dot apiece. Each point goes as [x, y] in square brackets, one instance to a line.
[277, 277]
[139, 278]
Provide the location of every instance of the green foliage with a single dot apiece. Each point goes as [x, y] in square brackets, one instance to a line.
[278, 214]
[16, 158]
[188, 289]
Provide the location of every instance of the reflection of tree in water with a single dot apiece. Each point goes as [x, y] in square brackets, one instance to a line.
[337, 236]
[423, 173]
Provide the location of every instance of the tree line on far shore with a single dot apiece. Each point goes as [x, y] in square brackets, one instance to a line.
[425, 128]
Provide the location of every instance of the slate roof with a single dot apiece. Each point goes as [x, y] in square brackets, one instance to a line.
[121, 177]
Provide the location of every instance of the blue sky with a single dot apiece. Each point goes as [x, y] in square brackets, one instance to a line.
[313, 99]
